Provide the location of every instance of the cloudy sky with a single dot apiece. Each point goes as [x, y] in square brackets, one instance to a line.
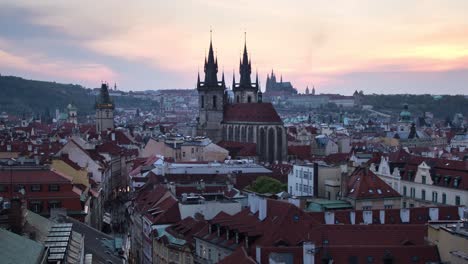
[386, 46]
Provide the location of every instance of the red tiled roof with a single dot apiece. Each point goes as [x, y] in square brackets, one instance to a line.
[33, 176]
[251, 112]
[364, 184]
[238, 256]
[239, 149]
[301, 152]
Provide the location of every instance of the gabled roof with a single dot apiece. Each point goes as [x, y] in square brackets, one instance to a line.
[364, 184]
[251, 112]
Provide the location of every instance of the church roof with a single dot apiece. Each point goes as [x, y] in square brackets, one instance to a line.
[251, 112]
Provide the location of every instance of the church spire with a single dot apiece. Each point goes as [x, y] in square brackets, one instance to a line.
[211, 66]
[233, 80]
[222, 79]
[256, 79]
[245, 68]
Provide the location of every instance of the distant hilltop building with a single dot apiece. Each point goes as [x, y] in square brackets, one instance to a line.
[104, 110]
[274, 88]
[247, 120]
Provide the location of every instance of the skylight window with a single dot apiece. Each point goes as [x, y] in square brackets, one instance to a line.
[352, 190]
[379, 191]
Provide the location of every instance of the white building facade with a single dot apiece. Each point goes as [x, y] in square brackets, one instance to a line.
[302, 180]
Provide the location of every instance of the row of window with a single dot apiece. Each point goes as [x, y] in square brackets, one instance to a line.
[303, 175]
[303, 188]
[435, 196]
[446, 179]
[37, 206]
[32, 188]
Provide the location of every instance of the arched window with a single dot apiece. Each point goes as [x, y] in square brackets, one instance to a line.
[214, 101]
[202, 101]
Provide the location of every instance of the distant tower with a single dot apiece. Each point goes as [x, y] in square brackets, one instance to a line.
[405, 120]
[211, 96]
[72, 112]
[307, 90]
[245, 91]
[104, 110]
[313, 90]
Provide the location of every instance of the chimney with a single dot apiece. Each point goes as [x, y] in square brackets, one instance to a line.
[308, 255]
[258, 255]
[262, 208]
[202, 184]
[172, 187]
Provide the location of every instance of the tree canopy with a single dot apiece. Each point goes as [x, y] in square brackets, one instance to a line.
[264, 184]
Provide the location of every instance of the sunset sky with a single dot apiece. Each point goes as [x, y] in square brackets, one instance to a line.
[385, 46]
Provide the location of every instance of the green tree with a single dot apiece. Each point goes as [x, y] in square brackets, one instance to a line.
[264, 184]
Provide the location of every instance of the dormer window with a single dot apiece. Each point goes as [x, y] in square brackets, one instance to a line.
[423, 179]
[447, 180]
[456, 182]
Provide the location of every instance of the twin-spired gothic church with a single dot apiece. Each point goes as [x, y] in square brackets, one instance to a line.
[244, 118]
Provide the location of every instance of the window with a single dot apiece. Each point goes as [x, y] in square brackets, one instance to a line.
[366, 207]
[297, 186]
[404, 190]
[3, 188]
[55, 204]
[388, 206]
[202, 101]
[193, 150]
[404, 204]
[183, 154]
[413, 192]
[290, 189]
[35, 188]
[444, 198]
[423, 179]
[249, 99]
[423, 194]
[54, 188]
[457, 200]
[209, 253]
[434, 197]
[214, 101]
[35, 206]
[238, 99]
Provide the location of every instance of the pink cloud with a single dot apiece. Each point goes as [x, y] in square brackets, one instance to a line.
[39, 64]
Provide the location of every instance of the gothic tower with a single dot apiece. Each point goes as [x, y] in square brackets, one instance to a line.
[104, 110]
[245, 91]
[212, 98]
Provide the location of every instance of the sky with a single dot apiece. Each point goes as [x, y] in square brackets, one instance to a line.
[385, 46]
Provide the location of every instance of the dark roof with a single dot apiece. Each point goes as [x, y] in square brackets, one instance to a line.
[364, 184]
[251, 112]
